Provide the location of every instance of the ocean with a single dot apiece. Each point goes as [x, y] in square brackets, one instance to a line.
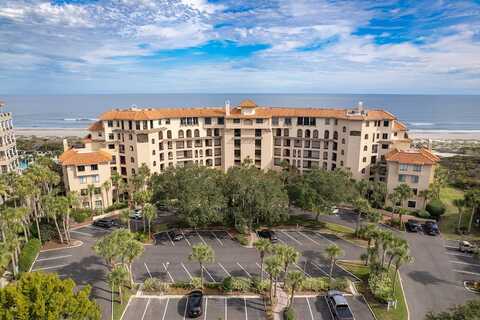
[422, 113]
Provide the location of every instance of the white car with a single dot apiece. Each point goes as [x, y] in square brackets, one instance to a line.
[136, 214]
[335, 210]
[465, 246]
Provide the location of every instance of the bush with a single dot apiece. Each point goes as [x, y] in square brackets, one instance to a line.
[154, 285]
[241, 284]
[259, 285]
[317, 284]
[380, 285]
[227, 284]
[289, 314]
[80, 215]
[423, 214]
[389, 208]
[47, 231]
[140, 236]
[28, 254]
[339, 284]
[436, 208]
[196, 283]
[116, 206]
[242, 239]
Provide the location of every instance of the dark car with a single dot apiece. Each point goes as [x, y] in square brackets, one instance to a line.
[268, 234]
[195, 304]
[413, 225]
[176, 235]
[104, 223]
[431, 228]
[339, 306]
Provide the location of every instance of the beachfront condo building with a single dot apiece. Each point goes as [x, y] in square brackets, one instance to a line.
[8, 145]
[356, 139]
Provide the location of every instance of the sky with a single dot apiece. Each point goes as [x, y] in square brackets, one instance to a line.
[239, 46]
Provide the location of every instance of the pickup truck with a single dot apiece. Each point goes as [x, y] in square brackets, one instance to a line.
[339, 306]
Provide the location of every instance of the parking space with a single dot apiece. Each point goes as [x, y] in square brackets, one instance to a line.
[316, 308]
[214, 307]
[213, 238]
[465, 266]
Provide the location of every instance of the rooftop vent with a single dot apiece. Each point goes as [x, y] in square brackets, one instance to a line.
[359, 110]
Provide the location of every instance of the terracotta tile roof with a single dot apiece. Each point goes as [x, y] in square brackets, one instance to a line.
[76, 157]
[413, 156]
[247, 103]
[399, 126]
[266, 112]
[96, 126]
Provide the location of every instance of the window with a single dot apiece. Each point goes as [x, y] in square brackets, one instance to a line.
[385, 136]
[81, 168]
[386, 123]
[401, 178]
[288, 121]
[258, 132]
[196, 133]
[83, 180]
[208, 120]
[344, 129]
[111, 136]
[299, 133]
[286, 132]
[180, 134]
[384, 146]
[258, 120]
[189, 133]
[414, 179]
[355, 133]
[335, 135]
[366, 136]
[132, 159]
[274, 121]
[364, 159]
[343, 141]
[403, 167]
[365, 148]
[326, 134]
[237, 132]
[167, 121]
[84, 192]
[414, 191]
[315, 134]
[111, 146]
[98, 190]
[417, 167]
[220, 120]
[169, 134]
[412, 204]
[327, 121]
[110, 123]
[96, 178]
[94, 167]
[236, 120]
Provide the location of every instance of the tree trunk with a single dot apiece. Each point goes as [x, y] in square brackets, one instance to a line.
[14, 265]
[64, 225]
[291, 297]
[25, 233]
[261, 267]
[129, 267]
[331, 269]
[58, 229]
[201, 275]
[357, 227]
[394, 281]
[460, 213]
[120, 293]
[471, 220]
[275, 287]
[36, 221]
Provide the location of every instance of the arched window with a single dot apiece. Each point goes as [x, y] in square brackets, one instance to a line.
[326, 135]
[343, 141]
[315, 134]
[307, 133]
[335, 135]
[286, 132]
[209, 132]
[180, 134]
[365, 148]
[196, 133]
[189, 133]
[170, 156]
[278, 132]
[169, 134]
[160, 135]
[344, 129]
[299, 133]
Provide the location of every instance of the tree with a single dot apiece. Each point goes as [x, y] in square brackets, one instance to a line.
[91, 192]
[403, 192]
[402, 257]
[133, 249]
[440, 180]
[118, 277]
[333, 252]
[125, 217]
[141, 198]
[287, 255]
[274, 268]
[202, 253]
[44, 296]
[116, 178]
[426, 194]
[468, 311]
[149, 213]
[107, 185]
[472, 200]
[263, 247]
[54, 208]
[361, 207]
[378, 194]
[294, 280]
[459, 204]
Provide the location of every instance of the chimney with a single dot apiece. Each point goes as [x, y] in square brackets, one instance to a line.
[65, 145]
[227, 107]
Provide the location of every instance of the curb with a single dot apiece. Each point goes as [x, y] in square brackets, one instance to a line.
[81, 243]
[404, 295]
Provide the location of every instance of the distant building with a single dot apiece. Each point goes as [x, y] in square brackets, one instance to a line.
[354, 139]
[8, 145]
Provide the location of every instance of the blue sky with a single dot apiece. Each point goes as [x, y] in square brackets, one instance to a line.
[236, 46]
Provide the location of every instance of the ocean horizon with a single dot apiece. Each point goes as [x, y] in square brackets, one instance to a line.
[422, 113]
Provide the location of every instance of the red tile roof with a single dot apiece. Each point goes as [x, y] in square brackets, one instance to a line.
[414, 156]
[399, 126]
[76, 157]
[96, 126]
[247, 103]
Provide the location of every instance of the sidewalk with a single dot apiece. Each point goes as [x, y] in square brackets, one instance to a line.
[282, 303]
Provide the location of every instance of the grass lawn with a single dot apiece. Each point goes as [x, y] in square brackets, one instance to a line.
[380, 309]
[449, 220]
[117, 307]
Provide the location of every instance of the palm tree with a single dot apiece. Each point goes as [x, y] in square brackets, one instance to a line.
[394, 198]
[149, 212]
[91, 191]
[125, 217]
[287, 255]
[460, 204]
[116, 178]
[425, 194]
[472, 199]
[263, 247]
[274, 268]
[403, 257]
[294, 280]
[202, 253]
[107, 186]
[51, 205]
[107, 250]
[404, 192]
[118, 277]
[386, 239]
[133, 250]
[333, 252]
[361, 206]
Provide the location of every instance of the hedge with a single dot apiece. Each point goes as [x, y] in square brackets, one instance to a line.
[80, 216]
[289, 314]
[436, 208]
[116, 206]
[28, 254]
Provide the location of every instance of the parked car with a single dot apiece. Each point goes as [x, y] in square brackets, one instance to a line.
[104, 223]
[195, 304]
[136, 214]
[268, 234]
[335, 210]
[465, 246]
[413, 225]
[431, 228]
[176, 235]
[339, 306]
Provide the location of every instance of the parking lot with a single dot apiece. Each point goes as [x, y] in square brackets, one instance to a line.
[463, 264]
[214, 307]
[316, 308]
[168, 259]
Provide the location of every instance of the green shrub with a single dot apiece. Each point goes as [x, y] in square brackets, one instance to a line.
[154, 285]
[317, 284]
[212, 285]
[227, 284]
[47, 231]
[339, 284]
[242, 239]
[241, 284]
[389, 208]
[380, 285]
[80, 215]
[116, 206]
[436, 208]
[423, 214]
[28, 254]
[196, 283]
[140, 236]
[181, 285]
[260, 286]
[289, 314]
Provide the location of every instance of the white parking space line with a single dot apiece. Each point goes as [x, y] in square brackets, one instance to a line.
[467, 272]
[459, 254]
[310, 309]
[201, 238]
[248, 274]
[206, 270]
[309, 238]
[465, 263]
[54, 258]
[186, 270]
[226, 308]
[223, 268]
[219, 241]
[319, 268]
[260, 267]
[451, 247]
[82, 233]
[165, 310]
[230, 235]
[168, 272]
[331, 313]
[282, 241]
[169, 238]
[48, 268]
[246, 312]
[206, 308]
[146, 267]
[185, 311]
[299, 268]
[291, 237]
[185, 237]
[323, 237]
[146, 307]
